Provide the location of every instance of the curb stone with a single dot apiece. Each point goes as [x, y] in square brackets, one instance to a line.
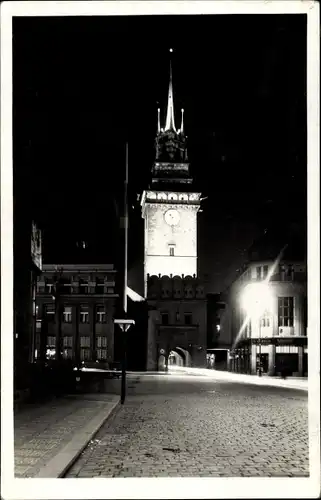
[59, 465]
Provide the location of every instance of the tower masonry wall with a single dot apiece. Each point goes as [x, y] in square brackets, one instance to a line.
[159, 236]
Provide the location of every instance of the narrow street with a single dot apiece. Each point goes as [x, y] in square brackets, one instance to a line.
[190, 425]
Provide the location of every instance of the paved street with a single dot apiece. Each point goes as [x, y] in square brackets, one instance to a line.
[185, 425]
[47, 435]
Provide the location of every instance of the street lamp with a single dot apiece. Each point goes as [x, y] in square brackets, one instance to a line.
[124, 324]
[256, 299]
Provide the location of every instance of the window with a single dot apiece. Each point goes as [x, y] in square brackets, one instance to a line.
[165, 319]
[258, 273]
[100, 314]
[171, 250]
[83, 286]
[265, 321]
[65, 286]
[102, 342]
[84, 314]
[265, 271]
[110, 290]
[49, 286]
[101, 353]
[67, 354]
[177, 317]
[100, 285]
[188, 318]
[67, 341]
[84, 354]
[67, 314]
[85, 341]
[51, 341]
[289, 272]
[50, 313]
[285, 311]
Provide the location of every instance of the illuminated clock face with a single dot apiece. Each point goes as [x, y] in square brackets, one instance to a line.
[172, 217]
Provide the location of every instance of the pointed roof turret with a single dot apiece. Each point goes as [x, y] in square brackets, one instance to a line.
[182, 122]
[170, 120]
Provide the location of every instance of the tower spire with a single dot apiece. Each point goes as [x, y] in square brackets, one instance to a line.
[170, 121]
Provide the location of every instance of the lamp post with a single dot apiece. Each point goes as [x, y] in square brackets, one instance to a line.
[123, 322]
[124, 325]
[256, 299]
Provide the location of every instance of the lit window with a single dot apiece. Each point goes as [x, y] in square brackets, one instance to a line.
[84, 354]
[67, 341]
[101, 341]
[67, 315]
[85, 341]
[101, 353]
[49, 287]
[84, 314]
[51, 341]
[100, 314]
[285, 311]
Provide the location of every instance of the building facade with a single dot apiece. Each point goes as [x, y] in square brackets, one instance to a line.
[169, 208]
[27, 269]
[275, 339]
[75, 310]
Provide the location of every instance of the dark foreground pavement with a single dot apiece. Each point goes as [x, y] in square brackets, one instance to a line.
[48, 436]
[182, 425]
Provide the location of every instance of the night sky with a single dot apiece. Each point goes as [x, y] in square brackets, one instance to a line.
[83, 86]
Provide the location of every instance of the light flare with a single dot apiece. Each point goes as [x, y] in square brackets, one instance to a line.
[264, 282]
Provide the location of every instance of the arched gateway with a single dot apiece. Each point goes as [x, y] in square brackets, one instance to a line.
[174, 293]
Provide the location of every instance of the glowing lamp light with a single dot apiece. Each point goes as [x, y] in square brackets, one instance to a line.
[256, 299]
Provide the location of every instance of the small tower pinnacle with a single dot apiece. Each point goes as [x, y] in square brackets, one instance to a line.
[182, 122]
[170, 121]
[158, 121]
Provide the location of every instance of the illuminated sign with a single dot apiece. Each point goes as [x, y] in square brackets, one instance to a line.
[36, 246]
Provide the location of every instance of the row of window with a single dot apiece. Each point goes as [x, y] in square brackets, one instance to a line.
[188, 318]
[85, 354]
[82, 289]
[84, 341]
[285, 315]
[100, 314]
[261, 272]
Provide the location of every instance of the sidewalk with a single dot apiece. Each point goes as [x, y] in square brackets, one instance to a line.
[49, 437]
[289, 383]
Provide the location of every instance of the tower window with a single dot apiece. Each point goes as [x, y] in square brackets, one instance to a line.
[171, 250]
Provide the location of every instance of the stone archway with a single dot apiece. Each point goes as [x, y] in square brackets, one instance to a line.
[184, 355]
[175, 359]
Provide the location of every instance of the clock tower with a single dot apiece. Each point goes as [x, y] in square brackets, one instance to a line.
[170, 206]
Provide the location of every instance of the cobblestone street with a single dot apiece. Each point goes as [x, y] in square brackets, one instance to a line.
[179, 425]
